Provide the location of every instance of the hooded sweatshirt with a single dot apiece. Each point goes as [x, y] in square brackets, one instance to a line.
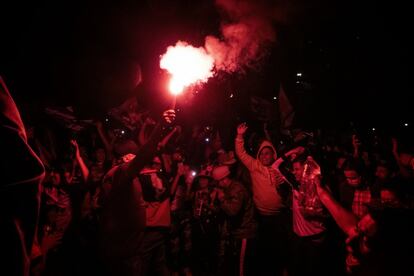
[264, 182]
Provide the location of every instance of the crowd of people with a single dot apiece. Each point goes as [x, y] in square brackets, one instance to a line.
[165, 200]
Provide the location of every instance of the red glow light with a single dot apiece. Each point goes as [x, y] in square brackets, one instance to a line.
[187, 65]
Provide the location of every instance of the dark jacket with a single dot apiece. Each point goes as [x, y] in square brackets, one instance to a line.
[22, 173]
[123, 213]
[239, 210]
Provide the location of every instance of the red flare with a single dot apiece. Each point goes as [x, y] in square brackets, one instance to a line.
[187, 65]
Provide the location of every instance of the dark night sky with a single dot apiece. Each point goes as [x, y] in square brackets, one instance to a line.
[355, 56]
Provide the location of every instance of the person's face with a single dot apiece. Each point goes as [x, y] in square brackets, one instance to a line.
[266, 157]
[224, 182]
[298, 170]
[100, 155]
[177, 157]
[340, 162]
[203, 182]
[55, 178]
[67, 176]
[352, 178]
[222, 158]
[388, 196]
[382, 173]
[216, 144]
[156, 165]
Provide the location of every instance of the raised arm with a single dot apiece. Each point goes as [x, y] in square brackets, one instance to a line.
[167, 137]
[241, 153]
[79, 160]
[282, 163]
[142, 139]
[345, 219]
[180, 172]
[147, 151]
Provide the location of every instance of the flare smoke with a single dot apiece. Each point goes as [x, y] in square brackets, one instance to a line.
[246, 31]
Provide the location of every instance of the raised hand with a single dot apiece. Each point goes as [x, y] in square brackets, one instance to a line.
[292, 154]
[298, 151]
[75, 145]
[241, 129]
[169, 116]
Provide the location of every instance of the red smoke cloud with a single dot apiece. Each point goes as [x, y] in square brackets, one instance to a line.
[246, 31]
[245, 34]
